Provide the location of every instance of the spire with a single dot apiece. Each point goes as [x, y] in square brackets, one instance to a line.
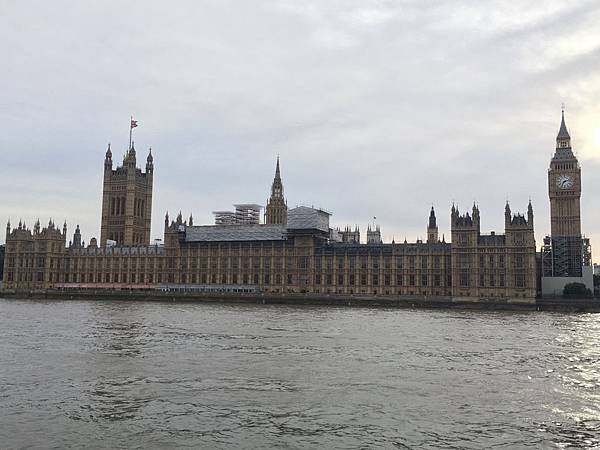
[563, 142]
[149, 162]
[432, 219]
[108, 152]
[191, 221]
[563, 133]
[277, 173]
[530, 214]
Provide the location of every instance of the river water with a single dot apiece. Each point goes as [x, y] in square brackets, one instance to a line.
[105, 374]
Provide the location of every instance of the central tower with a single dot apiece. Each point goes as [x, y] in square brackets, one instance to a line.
[564, 190]
[276, 209]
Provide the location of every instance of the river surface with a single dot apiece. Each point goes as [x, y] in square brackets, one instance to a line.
[106, 374]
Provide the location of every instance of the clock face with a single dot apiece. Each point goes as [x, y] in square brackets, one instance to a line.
[564, 182]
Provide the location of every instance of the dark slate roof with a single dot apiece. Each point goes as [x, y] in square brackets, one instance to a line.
[562, 132]
[220, 233]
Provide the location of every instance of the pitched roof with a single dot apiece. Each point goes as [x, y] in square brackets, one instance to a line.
[562, 132]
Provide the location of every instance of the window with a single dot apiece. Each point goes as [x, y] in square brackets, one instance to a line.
[464, 279]
[318, 278]
[520, 280]
[399, 279]
[411, 280]
[341, 279]
[519, 261]
[375, 280]
[423, 280]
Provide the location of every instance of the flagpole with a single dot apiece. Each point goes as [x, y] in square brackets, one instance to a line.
[130, 129]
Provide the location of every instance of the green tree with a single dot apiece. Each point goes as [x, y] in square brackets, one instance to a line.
[576, 290]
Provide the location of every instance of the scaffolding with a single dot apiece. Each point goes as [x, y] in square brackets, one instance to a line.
[547, 260]
[567, 256]
[247, 213]
[244, 214]
[586, 252]
[224, 217]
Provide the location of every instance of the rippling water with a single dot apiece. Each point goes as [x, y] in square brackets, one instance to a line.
[107, 374]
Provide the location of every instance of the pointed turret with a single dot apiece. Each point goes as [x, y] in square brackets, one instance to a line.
[191, 220]
[530, 214]
[108, 159]
[432, 229]
[149, 161]
[276, 209]
[77, 238]
[507, 215]
[563, 143]
[563, 133]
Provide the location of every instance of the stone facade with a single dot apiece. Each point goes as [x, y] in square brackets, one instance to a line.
[493, 265]
[292, 252]
[126, 201]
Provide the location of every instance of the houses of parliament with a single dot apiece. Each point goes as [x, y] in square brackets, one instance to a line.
[297, 251]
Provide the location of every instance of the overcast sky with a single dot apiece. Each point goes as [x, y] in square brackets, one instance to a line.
[377, 108]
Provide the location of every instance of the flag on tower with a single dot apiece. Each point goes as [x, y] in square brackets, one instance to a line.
[134, 123]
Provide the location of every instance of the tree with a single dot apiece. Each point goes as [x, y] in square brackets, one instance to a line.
[576, 290]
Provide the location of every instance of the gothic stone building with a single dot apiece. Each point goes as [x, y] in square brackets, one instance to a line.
[126, 201]
[293, 252]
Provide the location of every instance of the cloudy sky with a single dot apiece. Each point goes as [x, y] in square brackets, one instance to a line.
[377, 108]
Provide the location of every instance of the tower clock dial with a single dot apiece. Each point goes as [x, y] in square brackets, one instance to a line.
[564, 182]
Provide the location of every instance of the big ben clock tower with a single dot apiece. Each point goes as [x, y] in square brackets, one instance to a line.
[564, 188]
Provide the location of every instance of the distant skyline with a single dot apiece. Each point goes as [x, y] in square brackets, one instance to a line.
[376, 108]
